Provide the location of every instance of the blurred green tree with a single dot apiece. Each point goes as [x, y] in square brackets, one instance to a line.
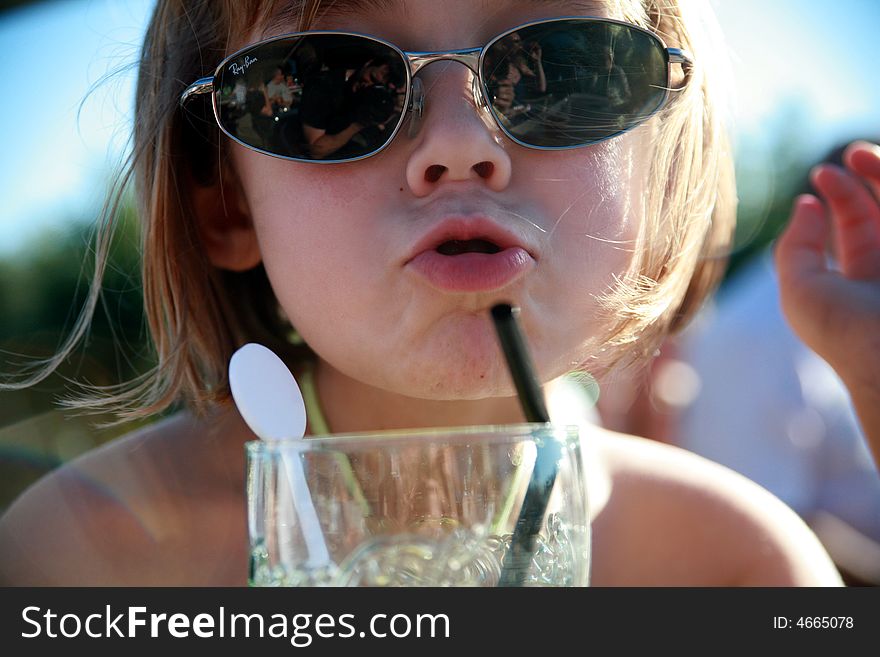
[43, 286]
[769, 174]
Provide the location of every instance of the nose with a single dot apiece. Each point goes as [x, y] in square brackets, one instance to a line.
[457, 140]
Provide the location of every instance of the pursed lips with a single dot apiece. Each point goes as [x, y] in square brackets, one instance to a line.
[458, 235]
[470, 254]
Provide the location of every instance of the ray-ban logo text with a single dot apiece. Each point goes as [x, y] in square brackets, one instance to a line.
[238, 69]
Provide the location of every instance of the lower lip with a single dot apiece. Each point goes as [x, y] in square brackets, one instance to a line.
[472, 272]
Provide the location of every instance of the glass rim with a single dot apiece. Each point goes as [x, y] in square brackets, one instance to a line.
[564, 433]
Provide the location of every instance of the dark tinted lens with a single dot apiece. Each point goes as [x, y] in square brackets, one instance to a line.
[573, 82]
[316, 97]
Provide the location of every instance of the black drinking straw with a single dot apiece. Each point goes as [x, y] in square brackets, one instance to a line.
[531, 516]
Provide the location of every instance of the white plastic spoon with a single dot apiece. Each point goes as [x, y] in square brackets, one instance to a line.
[271, 403]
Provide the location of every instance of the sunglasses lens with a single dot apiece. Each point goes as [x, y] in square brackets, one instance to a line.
[314, 97]
[573, 82]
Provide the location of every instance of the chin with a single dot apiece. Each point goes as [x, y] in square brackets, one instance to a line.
[459, 384]
[457, 370]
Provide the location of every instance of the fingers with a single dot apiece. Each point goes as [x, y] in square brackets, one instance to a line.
[808, 291]
[800, 250]
[863, 159]
[856, 219]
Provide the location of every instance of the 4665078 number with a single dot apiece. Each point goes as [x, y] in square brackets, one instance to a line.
[814, 622]
[824, 622]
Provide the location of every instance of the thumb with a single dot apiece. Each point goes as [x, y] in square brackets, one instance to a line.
[800, 250]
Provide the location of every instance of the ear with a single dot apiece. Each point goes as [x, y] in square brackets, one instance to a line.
[224, 224]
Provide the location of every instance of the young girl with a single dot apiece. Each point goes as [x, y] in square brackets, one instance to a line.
[384, 235]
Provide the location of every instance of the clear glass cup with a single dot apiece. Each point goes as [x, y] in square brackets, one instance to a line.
[434, 507]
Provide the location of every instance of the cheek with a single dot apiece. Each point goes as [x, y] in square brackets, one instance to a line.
[303, 212]
[312, 196]
[315, 225]
[594, 201]
[597, 209]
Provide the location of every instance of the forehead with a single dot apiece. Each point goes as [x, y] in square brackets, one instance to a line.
[288, 12]
[386, 5]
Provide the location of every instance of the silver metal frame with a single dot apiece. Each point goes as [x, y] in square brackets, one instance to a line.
[416, 61]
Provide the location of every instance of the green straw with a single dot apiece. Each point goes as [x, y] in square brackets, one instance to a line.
[518, 558]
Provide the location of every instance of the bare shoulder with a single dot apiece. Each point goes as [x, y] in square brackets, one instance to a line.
[674, 518]
[128, 512]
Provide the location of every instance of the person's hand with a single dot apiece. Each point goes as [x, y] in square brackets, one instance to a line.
[503, 96]
[836, 309]
[535, 53]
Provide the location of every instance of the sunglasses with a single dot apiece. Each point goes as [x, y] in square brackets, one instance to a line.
[339, 97]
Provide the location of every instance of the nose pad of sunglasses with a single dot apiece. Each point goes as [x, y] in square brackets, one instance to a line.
[416, 107]
[479, 97]
[417, 104]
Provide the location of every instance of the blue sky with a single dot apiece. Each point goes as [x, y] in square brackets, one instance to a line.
[809, 56]
[56, 158]
[818, 55]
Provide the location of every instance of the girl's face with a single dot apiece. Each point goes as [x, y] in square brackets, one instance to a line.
[350, 248]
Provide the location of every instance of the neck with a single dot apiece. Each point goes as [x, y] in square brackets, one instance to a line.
[352, 406]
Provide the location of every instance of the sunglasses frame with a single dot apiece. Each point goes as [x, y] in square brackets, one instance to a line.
[417, 60]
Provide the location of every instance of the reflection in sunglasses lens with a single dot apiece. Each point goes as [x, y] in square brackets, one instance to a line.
[570, 83]
[315, 97]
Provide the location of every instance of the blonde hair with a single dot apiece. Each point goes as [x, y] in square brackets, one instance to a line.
[198, 315]
[681, 251]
